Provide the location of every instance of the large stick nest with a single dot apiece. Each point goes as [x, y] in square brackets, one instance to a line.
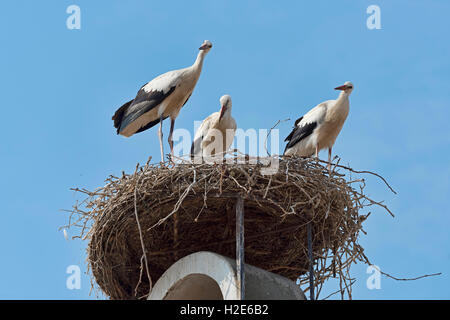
[176, 211]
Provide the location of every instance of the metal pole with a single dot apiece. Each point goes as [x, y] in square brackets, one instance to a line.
[311, 266]
[240, 247]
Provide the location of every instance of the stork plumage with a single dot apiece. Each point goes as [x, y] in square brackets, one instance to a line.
[159, 99]
[319, 127]
[216, 133]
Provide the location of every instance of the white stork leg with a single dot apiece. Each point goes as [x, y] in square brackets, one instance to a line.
[329, 159]
[160, 135]
[172, 125]
[317, 152]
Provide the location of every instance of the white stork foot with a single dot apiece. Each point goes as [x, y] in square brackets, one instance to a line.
[171, 158]
[171, 162]
[163, 163]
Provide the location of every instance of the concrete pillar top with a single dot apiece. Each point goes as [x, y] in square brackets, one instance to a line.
[210, 276]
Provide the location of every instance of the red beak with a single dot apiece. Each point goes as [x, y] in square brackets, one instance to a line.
[222, 111]
[341, 87]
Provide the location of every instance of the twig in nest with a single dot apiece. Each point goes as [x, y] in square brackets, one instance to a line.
[360, 172]
[268, 133]
[411, 279]
[178, 204]
[142, 243]
[338, 291]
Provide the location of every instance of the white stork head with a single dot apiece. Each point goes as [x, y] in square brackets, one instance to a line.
[225, 104]
[206, 46]
[346, 87]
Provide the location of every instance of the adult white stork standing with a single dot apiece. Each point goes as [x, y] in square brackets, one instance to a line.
[215, 134]
[159, 99]
[319, 127]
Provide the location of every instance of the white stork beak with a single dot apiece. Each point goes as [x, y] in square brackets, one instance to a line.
[222, 112]
[204, 47]
[343, 87]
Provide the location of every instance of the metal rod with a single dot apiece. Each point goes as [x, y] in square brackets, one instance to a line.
[240, 247]
[311, 266]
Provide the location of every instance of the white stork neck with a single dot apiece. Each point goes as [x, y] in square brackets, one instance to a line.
[227, 114]
[343, 96]
[342, 104]
[199, 61]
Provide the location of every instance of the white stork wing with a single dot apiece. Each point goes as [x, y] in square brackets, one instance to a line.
[201, 133]
[305, 125]
[148, 97]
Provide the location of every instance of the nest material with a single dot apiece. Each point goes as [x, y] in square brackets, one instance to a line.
[176, 211]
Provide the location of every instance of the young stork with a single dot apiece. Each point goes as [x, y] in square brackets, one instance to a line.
[216, 133]
[159, 99]
[319, 127]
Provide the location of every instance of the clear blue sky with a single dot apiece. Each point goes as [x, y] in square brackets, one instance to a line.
[60, 87]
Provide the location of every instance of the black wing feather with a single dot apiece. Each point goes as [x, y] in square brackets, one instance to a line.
[297, 121]
[118, 115]
[299, 133]
[196, 145]
[150, 124]
[289, 137]
[187, 100]
[143, 103]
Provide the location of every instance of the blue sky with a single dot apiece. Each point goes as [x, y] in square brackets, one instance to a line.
[60, 88]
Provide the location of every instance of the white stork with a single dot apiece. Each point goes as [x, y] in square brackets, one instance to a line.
[159, 99]
[319, 127]
[216, 133]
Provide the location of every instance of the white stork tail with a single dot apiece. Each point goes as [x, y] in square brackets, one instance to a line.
[159, 99]
[319, 127]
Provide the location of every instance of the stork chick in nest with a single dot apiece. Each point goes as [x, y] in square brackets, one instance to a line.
[216, 133]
